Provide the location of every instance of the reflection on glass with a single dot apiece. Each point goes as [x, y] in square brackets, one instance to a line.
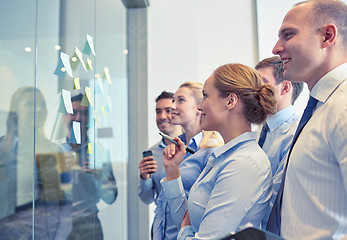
[29, 184]
[89, 181]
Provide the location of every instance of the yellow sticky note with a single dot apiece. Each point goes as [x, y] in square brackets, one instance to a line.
[89, 64]
[76, 83]
[90, 148]
[85, 102]
[107, 75]
[96, 119]
[89, 96]
[102, 109]
[80, 58]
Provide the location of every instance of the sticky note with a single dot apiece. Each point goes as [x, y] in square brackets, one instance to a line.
[65, 103]
[90, 148]
[60, 70]
[99, 86]
[89, 64]
[102, 110]
[80, 57]
[75, 133]
[87, 98]
[89, 45]
[76, 83]
[89, 95]
[66, 62]
[107, 75]
[96, 119]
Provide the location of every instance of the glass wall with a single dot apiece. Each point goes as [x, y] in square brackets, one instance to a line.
[63, 120]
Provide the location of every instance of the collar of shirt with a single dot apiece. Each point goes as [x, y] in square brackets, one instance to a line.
[328, 83]
[194, 143]
[275, 121]
[245, 137]
[162, 144]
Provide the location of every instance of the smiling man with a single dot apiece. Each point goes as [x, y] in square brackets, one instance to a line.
[151, 166]
[313, 47]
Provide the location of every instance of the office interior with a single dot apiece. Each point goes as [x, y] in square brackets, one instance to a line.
[120, 54]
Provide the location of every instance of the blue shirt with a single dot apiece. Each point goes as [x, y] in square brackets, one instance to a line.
[315, 192]
[282, 127]
[88, 188]
[149, 189]
[164, 226]
[232, 191]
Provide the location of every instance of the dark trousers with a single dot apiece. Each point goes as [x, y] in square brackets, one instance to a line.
[86, 228]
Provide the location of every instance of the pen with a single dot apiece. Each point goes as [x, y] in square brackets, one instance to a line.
[173, 141]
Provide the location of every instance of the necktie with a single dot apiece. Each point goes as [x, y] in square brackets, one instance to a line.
[274, 223]
[263, 134]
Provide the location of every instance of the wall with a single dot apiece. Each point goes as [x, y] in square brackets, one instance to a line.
[187, 40]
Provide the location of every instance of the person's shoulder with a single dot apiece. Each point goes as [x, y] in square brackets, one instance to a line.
[156, 146]
[250, 157]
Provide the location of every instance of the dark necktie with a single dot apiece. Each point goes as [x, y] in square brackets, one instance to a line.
[263, 134]
[274, 223]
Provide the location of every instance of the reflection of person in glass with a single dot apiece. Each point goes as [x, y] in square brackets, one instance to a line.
[29, 189]
[88, 184]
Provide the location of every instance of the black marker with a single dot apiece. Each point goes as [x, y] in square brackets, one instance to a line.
[173, 141]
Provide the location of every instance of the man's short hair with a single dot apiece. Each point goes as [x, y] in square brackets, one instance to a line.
[277, 65]
[164, 95]
[329, 11]
[77, 98]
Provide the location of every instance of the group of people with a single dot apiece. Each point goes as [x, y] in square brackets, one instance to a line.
[290, 178]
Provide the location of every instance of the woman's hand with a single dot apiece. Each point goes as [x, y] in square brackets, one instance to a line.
[186, 220]
[172, 158]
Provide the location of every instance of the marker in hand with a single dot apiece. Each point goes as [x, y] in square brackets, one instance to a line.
[175, 142]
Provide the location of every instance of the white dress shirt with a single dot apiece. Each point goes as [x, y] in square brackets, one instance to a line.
[315, 193]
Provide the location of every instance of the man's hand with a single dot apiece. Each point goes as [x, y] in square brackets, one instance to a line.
[147, 166]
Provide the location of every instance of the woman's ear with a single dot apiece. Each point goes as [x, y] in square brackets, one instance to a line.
[232, 99]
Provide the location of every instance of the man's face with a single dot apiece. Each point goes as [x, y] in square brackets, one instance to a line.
[299, 46]
[163, 115]
[81, 114]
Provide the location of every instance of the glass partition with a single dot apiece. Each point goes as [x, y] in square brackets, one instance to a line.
[63, 120]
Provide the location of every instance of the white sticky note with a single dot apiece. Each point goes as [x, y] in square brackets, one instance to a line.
[100, 85]
[76, 127]
[66, 61]
[67, 100]
[90, 43]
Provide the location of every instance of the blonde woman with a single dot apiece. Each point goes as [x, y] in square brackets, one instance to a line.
[185, 113]
[235, 187]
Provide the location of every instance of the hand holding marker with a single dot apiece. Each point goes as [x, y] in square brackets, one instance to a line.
[174, 142]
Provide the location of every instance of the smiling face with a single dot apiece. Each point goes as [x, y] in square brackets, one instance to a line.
[213, 107]
[299, 46]
[163, 116]
[184, 108]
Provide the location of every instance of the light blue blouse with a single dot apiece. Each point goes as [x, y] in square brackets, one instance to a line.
[231, 193]
[164, 226]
